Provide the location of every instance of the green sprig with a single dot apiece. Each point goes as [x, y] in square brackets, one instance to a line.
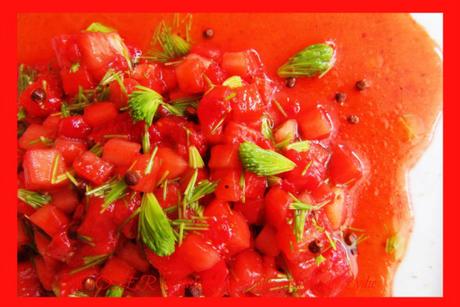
[263, 162]
[315, 60]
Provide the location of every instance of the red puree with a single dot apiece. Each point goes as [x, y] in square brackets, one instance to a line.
[396, 112]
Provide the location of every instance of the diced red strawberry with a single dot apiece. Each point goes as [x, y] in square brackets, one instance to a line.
[74, 127]
[117, 272]
[245, 64]
[247, 270]
[171, 163]
[100, 113]
[315, 124]
[45, 273]
[214, 280]
[224, 156]
[345, 166]
[134, 256]
[76, 77]
[120, 152]
[92, 168]
[266, 241]
[50, 219]
[38, 168]
[101, 51]
[277, 204]
[198, 253]
[35, 137]
[70, 148]
[66, 199]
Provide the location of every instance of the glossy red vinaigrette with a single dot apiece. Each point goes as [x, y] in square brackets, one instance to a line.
[335, 222]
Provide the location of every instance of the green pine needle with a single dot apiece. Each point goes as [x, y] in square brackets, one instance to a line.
[315, 60]
[33, 199]
[263, 162]
[144, 103]
[154, 227]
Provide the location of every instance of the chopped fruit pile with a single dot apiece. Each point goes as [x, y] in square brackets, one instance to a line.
[182, 171]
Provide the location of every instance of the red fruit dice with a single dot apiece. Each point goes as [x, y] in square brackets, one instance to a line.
[38, 168]
[100, 113]
[92, 168]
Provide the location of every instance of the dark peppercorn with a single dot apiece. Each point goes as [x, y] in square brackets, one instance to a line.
[340, 97]
[208, 33]
[290, 82]
[38, 94]
[353, 119]
[132, 178]
[361, 85]
[89, 284]
[314, 247]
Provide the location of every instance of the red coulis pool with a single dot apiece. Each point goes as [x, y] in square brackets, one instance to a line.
[258, 187]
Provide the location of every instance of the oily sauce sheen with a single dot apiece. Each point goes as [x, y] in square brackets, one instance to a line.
[396, 112]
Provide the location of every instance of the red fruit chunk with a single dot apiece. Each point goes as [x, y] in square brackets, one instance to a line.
[151, 76]
[198, 253]
[237, 133]
[100, 113]
[31, 138]
[266, 241]
[146, 182]
[247, 270]
[38, 168]
[228, 187]
[241, 236]
[45, 273]
[245, 64]
[345, 166]
[254, 186]
[74, 127]
[73, 80]
[92, 168]
[101, 51]
[190, 74]
[117, 95]
[315, 124]
[247, 104]
[50, 219]
[214, 280]
[224, 156]
[105, 234]
[65, 199]
[171, 267]
[251, 209]
[171, 163]
[117, 272]
[133, 255]
[51, 123]
[69, 148]
[213, 111]
[60, 247]
[277, 204]
[120, 152]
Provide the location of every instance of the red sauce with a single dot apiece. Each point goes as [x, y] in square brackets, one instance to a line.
[397, 112]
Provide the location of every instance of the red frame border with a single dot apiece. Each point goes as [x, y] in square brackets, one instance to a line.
[451, 127]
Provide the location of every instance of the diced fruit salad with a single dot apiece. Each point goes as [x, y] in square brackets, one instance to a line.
[186, 170]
